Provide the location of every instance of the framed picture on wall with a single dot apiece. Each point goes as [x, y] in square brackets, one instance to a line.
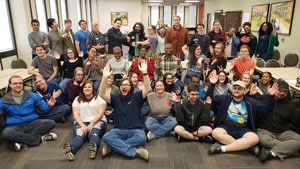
[259, 14]
[281, 16]
[122, 15]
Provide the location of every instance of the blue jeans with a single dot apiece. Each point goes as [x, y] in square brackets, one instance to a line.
[125, 141]
[57, 112]
[160, 127]
[93, 136]
[29, 133]
[63, 84]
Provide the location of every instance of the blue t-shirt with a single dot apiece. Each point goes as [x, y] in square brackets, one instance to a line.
[82, 36]
[128, 114]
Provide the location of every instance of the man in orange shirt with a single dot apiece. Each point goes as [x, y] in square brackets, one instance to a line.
[177, 35]
[242, 63]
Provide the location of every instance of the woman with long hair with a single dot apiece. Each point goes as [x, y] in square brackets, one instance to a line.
[267, 39]
[89, 121]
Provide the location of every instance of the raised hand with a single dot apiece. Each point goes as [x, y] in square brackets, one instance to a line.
[143, 66]
[106, 71]
[231, 74]
[56, 94]
[253, 89]
[208, 100]
[273, 89]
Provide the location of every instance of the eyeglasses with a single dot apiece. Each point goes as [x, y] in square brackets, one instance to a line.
[79, 74]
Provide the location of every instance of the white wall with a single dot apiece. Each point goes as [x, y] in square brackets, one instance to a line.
[133, 7]
[288, 43]
[137, 12]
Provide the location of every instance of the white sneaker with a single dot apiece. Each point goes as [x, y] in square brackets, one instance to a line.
[49, 137]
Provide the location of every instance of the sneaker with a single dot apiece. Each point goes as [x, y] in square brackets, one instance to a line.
[206, 139]
[105, 150]
[149, 136]
[255, 150]
[49, 137]
[265, 155]
[142, 153]
[68, 152]
[17, 147]
[215, 148]
[93, 150]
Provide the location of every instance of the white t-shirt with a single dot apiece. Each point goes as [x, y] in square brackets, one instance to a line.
[89, 110]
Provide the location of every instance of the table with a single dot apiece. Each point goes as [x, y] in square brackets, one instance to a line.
[7, 73]
[289, 74]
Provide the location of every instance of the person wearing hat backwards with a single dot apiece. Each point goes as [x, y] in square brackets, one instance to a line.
[277, 131]
[236, 116]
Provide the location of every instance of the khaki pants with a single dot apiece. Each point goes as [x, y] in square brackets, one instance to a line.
[283, 144]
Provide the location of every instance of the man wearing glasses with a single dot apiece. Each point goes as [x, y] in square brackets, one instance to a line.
[21, 112]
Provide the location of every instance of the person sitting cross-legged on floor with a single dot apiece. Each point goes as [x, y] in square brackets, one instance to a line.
[47, 90]
[90, 122]
[160, 121]
[277, 131]
[236, 117]
[193, 116]
[128, 135]
[21, 111]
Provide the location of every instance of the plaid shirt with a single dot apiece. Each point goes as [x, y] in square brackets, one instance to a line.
[96, 38]
[168, 64]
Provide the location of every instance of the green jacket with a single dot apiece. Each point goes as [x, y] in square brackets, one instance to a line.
[273, 41]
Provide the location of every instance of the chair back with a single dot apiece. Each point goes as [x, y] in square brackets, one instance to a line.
[276, 54]
[260, 62]
[291, 60]
[272, 63]
[18, 63]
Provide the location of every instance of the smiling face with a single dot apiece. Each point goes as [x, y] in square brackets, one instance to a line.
[246, 78]
[281, 93]
[117, 52]
[134, 79]
[143, 52]
[193, 96]
[266, 78]
[222, 77]
[92, 53]
[159, 88]
[40, 51]
[244, 52]
[88, 89]
[238, 92]
[125, 88]
[169, 80]
[16, 84]
[78, 76]
[40, 83]
[198, 51]
[70, 54]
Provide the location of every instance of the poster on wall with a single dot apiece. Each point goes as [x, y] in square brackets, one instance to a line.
[122, 15]
[281, 16]
[259, 14]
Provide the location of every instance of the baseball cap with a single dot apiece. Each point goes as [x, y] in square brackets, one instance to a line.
[239, 83]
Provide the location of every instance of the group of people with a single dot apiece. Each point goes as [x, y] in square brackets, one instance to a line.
[204, 101]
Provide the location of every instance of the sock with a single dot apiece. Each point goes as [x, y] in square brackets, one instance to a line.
[223, 149]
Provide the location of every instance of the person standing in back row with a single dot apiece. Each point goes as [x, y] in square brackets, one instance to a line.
[178, 36]
[81, 38]
[247, 38]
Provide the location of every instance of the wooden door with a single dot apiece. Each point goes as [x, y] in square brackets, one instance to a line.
[232, 19]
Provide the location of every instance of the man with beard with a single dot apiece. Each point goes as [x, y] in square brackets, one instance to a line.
[128, 135]
[247, 38]
[277, 130]
[236, 118]
[137, 36]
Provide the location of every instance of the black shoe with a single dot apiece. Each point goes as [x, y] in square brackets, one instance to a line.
[215, 148]
[265, 155]
[254, 150]
[206, 139]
